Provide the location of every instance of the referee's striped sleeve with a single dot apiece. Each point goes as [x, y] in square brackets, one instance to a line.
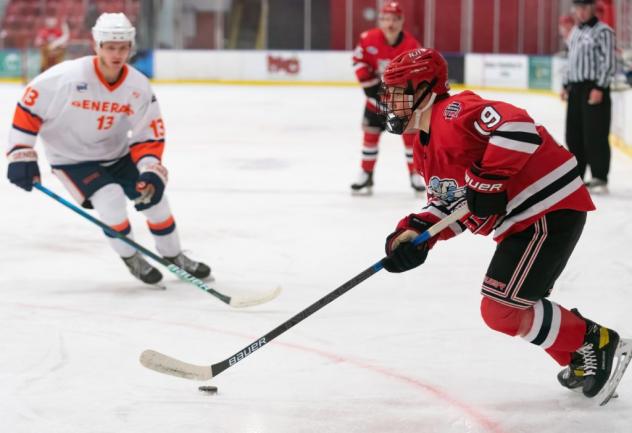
[606, 68]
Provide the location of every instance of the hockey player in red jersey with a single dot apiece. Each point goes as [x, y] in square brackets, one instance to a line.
[520, 185]
[102, 130]
[377, 47]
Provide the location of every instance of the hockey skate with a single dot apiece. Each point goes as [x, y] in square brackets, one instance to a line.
[572, 377]
[141, 269]
[364, 184]
[592, 366]
[197, 269]
[417, 183]
[597, 186]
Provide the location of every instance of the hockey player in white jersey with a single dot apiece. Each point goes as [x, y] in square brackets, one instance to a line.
[103, 134]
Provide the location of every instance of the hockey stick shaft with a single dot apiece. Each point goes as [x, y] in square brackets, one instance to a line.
[178, 271]
[165, 364]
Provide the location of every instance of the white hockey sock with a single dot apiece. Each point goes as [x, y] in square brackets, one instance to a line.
[111, 205]
[163, 226]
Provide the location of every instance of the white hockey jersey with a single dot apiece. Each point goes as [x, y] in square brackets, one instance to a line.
[80, 117]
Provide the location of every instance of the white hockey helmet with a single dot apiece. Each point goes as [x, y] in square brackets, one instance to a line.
[113, 27]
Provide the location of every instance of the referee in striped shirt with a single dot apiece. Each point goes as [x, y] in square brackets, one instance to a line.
[591, 65]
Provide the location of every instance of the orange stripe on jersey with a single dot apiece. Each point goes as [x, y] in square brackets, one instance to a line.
[110, 86]
[161, 225]
[147, 148]
[26, 121]
[122, 226]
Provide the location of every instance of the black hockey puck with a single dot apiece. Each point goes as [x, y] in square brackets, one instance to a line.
[208, 388]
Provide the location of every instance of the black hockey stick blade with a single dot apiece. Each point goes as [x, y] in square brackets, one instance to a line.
[167, 365]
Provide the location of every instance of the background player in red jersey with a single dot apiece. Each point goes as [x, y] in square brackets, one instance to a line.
[519, 184]
[377, 47]
[52, 40]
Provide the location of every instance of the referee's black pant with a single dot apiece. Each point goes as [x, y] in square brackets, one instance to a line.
[587, 130]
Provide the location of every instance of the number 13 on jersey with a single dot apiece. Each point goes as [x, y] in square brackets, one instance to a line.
[158, 126]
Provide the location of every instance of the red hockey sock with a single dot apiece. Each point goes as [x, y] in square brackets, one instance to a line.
[546, 324]
[369, 151]
[408, 148]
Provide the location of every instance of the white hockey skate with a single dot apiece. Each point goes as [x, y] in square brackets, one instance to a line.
[417, 183]
[364, 184]
[597, 187]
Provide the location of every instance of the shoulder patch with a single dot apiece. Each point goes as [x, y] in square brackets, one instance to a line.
[452, 110]
[371, 50]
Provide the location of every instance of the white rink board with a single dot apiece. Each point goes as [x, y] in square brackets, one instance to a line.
[315, 66]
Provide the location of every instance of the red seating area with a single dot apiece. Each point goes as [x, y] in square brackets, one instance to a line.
[24, 18]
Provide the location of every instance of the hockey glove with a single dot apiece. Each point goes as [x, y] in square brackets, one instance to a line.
[151, 186]
[485, 193]
[372, 91]
[23, 170]
[402, 255]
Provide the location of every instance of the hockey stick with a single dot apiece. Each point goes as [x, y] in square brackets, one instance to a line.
[168, 365]
[233, 301]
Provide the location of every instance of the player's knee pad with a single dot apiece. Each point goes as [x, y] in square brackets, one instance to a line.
[504, 318]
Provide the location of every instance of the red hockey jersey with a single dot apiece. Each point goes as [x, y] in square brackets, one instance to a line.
[504, 141]
[373, 54]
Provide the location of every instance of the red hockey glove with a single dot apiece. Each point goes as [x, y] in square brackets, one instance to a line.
[485, 193]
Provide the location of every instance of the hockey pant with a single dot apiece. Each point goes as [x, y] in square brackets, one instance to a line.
[520, 277]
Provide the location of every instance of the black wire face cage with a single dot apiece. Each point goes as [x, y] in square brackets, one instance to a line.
[397, 104]
[396, 101]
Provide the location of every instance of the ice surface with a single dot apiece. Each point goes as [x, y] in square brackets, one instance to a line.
[259, 185]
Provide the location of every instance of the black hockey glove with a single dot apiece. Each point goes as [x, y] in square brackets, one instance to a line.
[402, 255]
[373, 91]
[23, 170]
[485, 193]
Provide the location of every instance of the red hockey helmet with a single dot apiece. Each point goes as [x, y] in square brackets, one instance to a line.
[403, 77]
[391, 7]
[422, 65]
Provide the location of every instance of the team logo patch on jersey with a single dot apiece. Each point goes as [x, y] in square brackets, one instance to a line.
[447, 190]
[371, 49]
[136, 94]
[452, 110]
[82, 87]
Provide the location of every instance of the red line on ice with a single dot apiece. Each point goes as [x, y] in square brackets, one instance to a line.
[481, 419]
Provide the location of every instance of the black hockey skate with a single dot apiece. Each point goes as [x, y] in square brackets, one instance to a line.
[141, 269]
[364, 184]
[197, 269]
[572, 377]
[592, 363]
